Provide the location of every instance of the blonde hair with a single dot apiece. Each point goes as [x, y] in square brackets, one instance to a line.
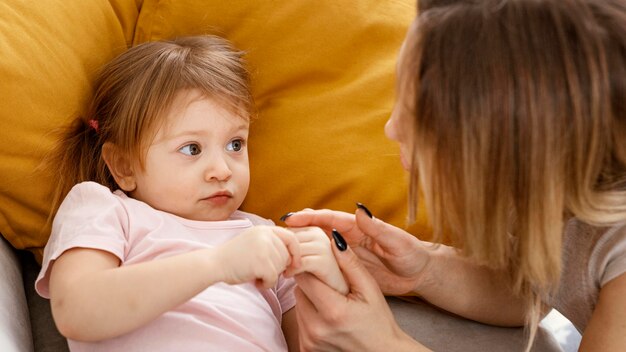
[133, 93]
[519, 123]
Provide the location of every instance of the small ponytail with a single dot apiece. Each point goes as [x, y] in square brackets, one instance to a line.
[94, 124]
[76, 158]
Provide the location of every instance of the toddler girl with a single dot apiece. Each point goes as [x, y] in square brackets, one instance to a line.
[148, 250]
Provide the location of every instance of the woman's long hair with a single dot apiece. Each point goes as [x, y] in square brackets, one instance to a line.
[519, 111]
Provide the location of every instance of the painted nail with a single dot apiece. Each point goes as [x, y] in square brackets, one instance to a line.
[284, 217]
[367, 211]
[339, 241]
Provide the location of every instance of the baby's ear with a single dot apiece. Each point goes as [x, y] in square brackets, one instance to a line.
[120, 166]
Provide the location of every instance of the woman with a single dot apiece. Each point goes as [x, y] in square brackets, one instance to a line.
[511, 119]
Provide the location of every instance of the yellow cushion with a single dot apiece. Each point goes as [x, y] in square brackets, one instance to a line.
[323, 80]
[50, 52]
[127, 12]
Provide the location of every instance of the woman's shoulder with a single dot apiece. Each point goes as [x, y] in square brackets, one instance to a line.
[602, 248]
[592, 256]
[576, 230]
[609, 253]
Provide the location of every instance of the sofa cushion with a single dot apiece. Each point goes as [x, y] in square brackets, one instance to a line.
[323, 80]
[51, 50]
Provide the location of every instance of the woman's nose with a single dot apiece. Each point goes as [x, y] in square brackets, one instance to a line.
[391, 127]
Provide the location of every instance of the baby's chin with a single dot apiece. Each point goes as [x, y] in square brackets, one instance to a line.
[206, 210]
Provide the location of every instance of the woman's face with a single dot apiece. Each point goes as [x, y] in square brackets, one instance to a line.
[399, 127]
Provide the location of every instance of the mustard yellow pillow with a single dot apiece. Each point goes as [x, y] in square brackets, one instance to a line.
[323, 80]
[51, 50]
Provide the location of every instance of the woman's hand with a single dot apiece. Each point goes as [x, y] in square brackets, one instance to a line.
[401, 264]
[318, 259]
[395, 258]
[259, 253]
[360, 321]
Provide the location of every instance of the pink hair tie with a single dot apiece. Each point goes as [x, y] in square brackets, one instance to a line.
[93, 124]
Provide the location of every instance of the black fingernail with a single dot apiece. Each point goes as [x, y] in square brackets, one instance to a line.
[339, 241]
[367, 211]
[284, 217]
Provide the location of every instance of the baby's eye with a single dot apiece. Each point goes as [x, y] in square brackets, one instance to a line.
[190, 149]
[235, 145]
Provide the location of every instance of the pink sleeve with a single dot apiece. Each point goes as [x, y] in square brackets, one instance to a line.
[89, 217]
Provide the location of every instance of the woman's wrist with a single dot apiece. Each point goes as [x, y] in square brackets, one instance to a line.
[423, 278]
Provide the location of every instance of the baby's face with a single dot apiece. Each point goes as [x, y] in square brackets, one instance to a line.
[197, 165]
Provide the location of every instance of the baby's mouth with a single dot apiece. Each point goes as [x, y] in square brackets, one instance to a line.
[219, 198]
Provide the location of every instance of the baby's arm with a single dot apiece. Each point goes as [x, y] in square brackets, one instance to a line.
[93, 298]
[318, 258]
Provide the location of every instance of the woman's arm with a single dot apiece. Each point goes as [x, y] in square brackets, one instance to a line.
[606, 330]
[458, 285]
[93, 298]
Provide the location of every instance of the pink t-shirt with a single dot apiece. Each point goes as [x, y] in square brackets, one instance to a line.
[221, 318]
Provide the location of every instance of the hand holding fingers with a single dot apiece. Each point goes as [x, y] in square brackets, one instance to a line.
[401, 256]
[292, 244]
[389, 282]
[361, 320]
[257, 254]
[359, 281]
[386, 236]
[318, 258]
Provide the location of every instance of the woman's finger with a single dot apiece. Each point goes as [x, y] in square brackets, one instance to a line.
[360, 283]
[322, 297]
[388, 237]
[357, 277]
[326, 219]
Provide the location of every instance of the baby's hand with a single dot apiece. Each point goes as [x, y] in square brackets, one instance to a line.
[318, 258]
[259, 253]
